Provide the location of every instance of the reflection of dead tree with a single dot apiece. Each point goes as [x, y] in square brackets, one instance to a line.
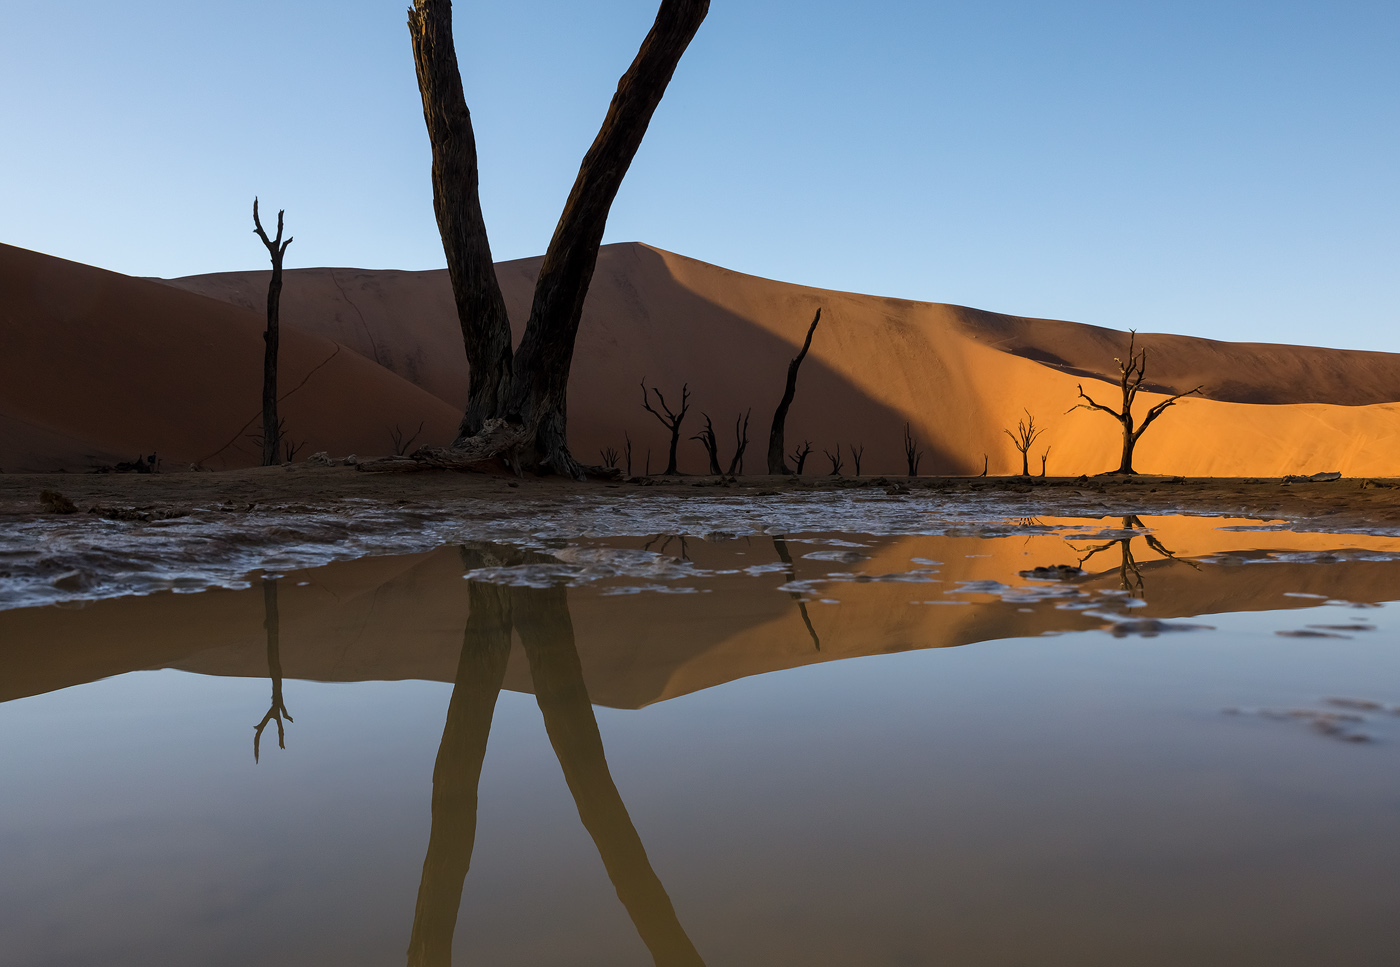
[776, 446]
[856, 454]
[1129, 569]
[276, 248]
[666, 540]
[741, 443]
[706, 436]
[278, 709]
[546, 632]
[480, 671]
[836, 462]
[1133, 371]
[912, 453]
[780, 545]
[1025, 435]
[672, 421]
[402, 444]
[801, 454]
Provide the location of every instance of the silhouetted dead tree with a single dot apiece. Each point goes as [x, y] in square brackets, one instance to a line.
[984, 466]
[800, 455]
[776, 446]
[276, 248]
[912, 453]
[1025, 435]
[1043, 457]
[627, 452]
[609, 456]
[278, 709]
[856, 454]
[741, 443]
[836, 462]
[706, 436]
[516, 401]
[1133, 371]
[672, 421]
[402, 443]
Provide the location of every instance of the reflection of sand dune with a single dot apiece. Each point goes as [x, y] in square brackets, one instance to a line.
[399, 618]
[81, 338]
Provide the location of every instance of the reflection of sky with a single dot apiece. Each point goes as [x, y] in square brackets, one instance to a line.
[838, 813]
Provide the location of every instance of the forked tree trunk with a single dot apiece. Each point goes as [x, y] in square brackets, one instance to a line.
[529, 391]
[272, 426]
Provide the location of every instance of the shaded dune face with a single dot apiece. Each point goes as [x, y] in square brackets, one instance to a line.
[104, 366]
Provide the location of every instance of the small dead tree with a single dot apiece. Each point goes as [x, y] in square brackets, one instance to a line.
[912, 453]
[776, 446]
[984, 466]
[836, 462]
[609, 456]
[707, 439]
[1025, 435]
[856, 454]
[1043, 457]
[1133, 372]
[800, 455]
[741, 443]
[627, 451]
[271, 427]
[672, 420]
[402, 443]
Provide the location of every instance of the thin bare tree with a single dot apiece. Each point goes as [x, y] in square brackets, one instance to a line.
[1043, 457]
[609, 457]
[1023, 438]
[1133, 371]
[800, 455]
[627, 451]
[272, 428]
[403, 441]
[741, 443]
[836, 462]
[856, 454]
[516, 400]
[912, 453]
[672, 420]
[776, 446]
[707, 439]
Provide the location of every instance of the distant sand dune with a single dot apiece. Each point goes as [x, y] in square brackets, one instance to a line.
[105, 366]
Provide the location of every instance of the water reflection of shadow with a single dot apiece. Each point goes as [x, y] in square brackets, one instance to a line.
[278, 709]
[541, 618]
[1129, 569]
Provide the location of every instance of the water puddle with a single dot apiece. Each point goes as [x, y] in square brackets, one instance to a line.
[780, 734]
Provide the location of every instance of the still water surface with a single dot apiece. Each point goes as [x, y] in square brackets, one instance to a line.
[1182, 747]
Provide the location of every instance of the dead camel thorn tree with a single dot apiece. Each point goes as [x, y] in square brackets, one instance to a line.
[672, 420]
[912, 453]
[800, 455]
[776, 463]
[272, 428]
[741, 443]
[1133, 371]
[516, 400]
[836, 462]
[856, 454]
[1023, 438]
[707, 439]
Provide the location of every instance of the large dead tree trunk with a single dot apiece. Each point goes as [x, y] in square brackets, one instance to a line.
[481, 309]
[272, 427]
[541, 375]
[777, 462]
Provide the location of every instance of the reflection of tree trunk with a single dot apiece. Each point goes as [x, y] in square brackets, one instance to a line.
[278, 709]
[546, 631]
[780, 546]
[480, 671]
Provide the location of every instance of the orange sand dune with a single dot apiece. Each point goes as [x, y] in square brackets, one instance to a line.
[100, 367]
[959, 376]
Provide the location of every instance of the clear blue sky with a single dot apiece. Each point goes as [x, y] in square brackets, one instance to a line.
[1223, 168]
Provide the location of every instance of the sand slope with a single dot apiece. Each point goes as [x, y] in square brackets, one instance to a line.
[959, 376]
[102, 366]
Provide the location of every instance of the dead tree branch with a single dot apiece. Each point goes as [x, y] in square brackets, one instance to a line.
[741, 443]
[707, 439]
[776, 446]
